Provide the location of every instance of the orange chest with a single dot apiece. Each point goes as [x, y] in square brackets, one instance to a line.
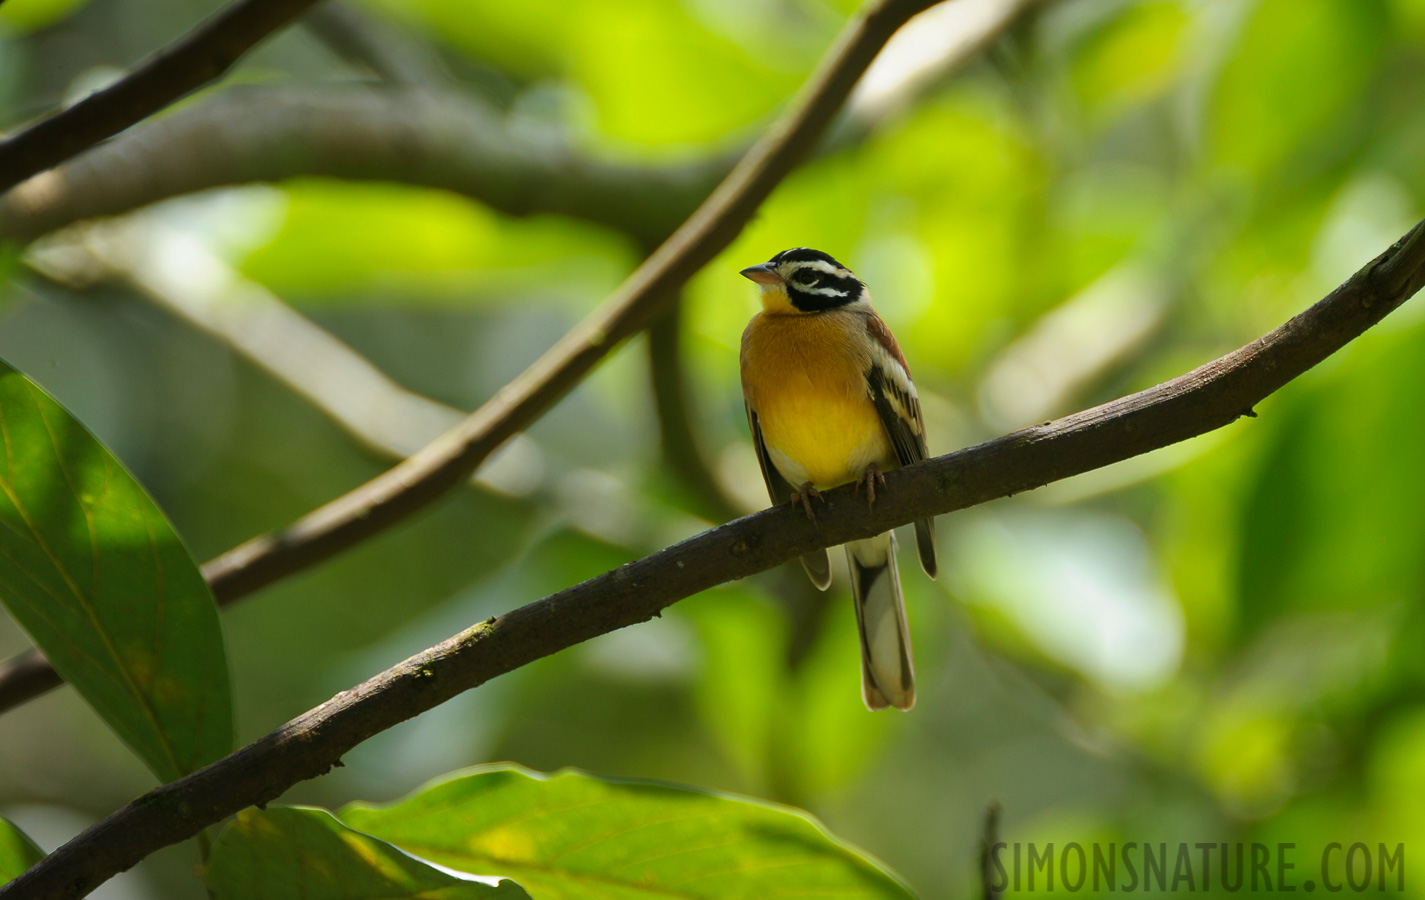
[806, 381]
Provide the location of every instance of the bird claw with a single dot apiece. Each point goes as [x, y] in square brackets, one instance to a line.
[805, 497]
[868, 480]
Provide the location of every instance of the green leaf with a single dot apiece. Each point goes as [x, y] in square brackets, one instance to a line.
[307, 854]
[572, 835]
[17, 852]
[92, 570]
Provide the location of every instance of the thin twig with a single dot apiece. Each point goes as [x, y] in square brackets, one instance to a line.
[990, 880]
[1204, 399]
[364, 40]
[682, 450]
[195, 59]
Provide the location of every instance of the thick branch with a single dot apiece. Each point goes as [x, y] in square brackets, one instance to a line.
[1202, 400]
[192, 61]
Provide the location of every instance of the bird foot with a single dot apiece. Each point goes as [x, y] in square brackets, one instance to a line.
[868, 480]
[805, 496]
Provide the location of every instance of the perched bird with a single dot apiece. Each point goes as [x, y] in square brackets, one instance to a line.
[830, 401]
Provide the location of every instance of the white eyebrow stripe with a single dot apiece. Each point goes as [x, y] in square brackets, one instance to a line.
[820, 265]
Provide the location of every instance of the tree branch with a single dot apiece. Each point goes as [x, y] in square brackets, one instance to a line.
[192, 61]
[365, 41]
[1204, 399]
[682, 451]
[24, 677]
[409, 135]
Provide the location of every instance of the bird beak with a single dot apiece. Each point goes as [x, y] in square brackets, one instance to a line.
[763, 274]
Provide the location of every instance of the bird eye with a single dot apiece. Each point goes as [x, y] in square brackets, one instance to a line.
[805, 278]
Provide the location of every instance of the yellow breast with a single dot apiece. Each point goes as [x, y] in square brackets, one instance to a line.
[804, 376]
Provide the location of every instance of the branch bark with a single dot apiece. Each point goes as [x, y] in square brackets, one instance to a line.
[1202, 400]
[195, 59]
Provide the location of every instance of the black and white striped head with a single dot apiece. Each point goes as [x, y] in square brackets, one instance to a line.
[812, 280]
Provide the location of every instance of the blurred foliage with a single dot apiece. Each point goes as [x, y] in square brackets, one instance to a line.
[1220, 641]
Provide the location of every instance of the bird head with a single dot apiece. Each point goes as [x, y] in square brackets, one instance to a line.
[809, 280]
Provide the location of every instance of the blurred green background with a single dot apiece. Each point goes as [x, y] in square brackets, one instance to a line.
[1221, 641]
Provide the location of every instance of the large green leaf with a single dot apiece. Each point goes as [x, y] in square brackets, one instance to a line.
[93, 571]
[571, 835]
[307, 854]
[17, 852]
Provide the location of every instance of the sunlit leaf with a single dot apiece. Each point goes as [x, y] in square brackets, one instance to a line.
[572, 835]
[656, 72]
[959, 175]
[652, 90]
[339, 240]
[1133, 58]
[17, 851]
[1410, 18]
[24, 16]
[92, 570]
[1295, 68]
[306, 854]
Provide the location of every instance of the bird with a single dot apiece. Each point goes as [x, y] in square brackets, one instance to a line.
[830, 401]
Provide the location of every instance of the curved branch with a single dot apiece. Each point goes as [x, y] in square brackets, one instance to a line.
[190, 62]
[1204, 399]
[365, 133]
